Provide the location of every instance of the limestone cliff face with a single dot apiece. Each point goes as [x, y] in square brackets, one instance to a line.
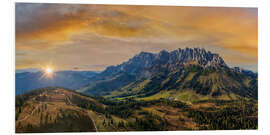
[182, 57]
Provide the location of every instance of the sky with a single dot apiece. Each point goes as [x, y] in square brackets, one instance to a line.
[93, 37]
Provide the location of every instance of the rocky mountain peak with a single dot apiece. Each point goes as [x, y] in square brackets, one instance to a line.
[201, 56]
[177, 57]
[190, 55]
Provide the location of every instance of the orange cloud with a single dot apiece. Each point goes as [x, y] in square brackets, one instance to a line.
[51, 26]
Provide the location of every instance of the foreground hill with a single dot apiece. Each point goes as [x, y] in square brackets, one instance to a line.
[195, 73]
[26, 81]
[50, 110]
[54, 109]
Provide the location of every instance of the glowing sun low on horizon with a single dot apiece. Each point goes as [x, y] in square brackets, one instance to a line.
[48, 70]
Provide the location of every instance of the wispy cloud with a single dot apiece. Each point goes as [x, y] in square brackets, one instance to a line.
[109, 34]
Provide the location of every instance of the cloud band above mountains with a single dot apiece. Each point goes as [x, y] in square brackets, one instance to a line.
[75, 35]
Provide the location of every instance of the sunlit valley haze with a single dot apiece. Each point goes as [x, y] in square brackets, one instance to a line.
[54, 37]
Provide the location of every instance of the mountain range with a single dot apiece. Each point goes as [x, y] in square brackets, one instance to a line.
[195, 70]
[185, 89]
[192, 71]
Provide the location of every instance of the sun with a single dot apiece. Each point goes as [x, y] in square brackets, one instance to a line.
[48, 70]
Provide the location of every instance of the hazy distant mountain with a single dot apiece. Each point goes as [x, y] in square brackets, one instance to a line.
[28, 70]
[196, 69]
[27, 81]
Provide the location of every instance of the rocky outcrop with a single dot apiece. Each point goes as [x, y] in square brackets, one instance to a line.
[176, 58]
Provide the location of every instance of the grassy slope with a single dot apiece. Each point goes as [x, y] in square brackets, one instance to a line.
[187, 96]
[50, 112]
[194, 84]
[145, 114]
